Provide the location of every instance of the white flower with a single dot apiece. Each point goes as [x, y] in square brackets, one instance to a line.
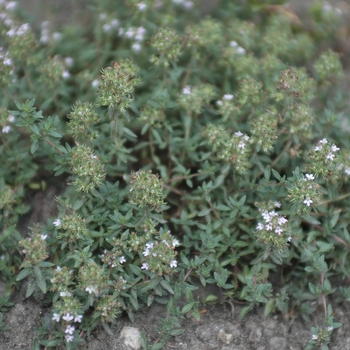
[314, 337]
[233, 43]
[136, 47]
[268, 227]
[11, 5]
[347, 171]
[69, 338]
[329, 329]
[149, 245]
[95, 83]
[309, 177]
[65, 74]
[228, 97]
[90, 289]
[240, 50]
[43, 237]
[56, 36]
[308, 201]
[68, 317]
[175, 242]
[278, 230]
[186, 90]
[144, 266]
[69, 61]
[335, 148]
[238, 134]
[219, 103]
[122, 259]
[56, 317]
[323, 141]
[65, 294]
[173, 263]
[7, 61]
[11, 118]
[281, 220]
[69, 329]
[93, 156]
[318, 148]
[241, 145]
[106, 28]
[57, 222]
[188, 5]
[58, 268]
[6, 129]
[330, 156]
[141, 6]
[260, 226]
[277, 204]
[78, 318]
[114, 23]
[289, 238]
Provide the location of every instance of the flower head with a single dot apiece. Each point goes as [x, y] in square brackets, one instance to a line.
[308, 201]
[56, 317]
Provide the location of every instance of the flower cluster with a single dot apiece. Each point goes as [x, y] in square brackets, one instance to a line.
[304, 192]
[264, 130]
[294, 83]
[7, 198]
[136, 34]
[235, 149]
[109, 308]
[168, 45]
[250, 92]
[147, 190]
[117, 85]
[192, 99]
[113, 258]
[204, 34]
[62, 279]
[159, 256]
[53, 71]
[300, 117]
[328, 67]
[22, 43]
[71, 227]
[46, 36]
[82, 117]
[6, 120]
[152, 116]
[227, 108]
[34, 247]
[69, 310]
[87, 167]
[92, 278]
[6, 68]
[108, 22]
[274, 227]
[324, 160]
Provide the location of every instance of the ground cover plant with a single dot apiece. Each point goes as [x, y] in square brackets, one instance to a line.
[190, 149]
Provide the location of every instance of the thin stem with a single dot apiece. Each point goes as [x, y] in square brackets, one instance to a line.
[335, 199]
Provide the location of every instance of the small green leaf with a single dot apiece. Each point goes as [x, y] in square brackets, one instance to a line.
[187, 307]
[40, 279]
[23, 274]
[204, 212]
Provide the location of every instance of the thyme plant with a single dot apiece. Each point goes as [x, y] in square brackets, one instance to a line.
[191, 149]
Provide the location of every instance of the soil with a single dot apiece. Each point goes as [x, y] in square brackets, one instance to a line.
[219, 326]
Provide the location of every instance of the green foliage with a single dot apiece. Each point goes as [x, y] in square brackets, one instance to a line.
[206, 152]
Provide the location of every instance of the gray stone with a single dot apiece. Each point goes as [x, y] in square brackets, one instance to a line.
[131, 338]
